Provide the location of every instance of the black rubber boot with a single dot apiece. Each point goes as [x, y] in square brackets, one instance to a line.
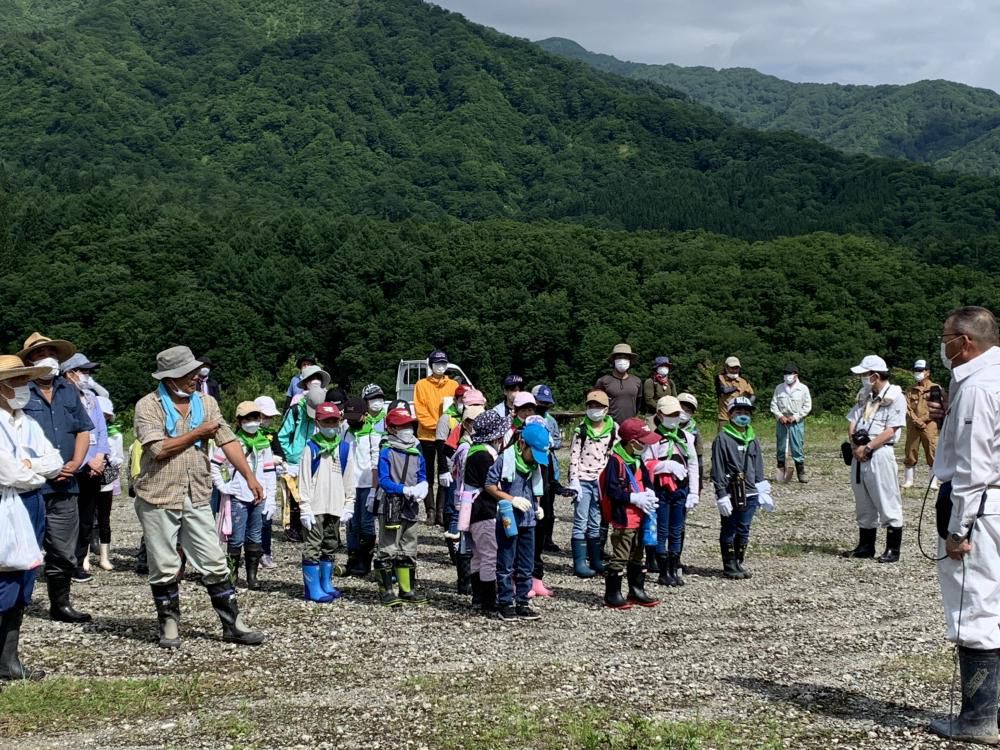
[674, 567]
[353, 567]
[740, 551]
[800, 472]
[652, 561]
[594, 556]
[406, 576]
[665, 579]
[977, 720]
[476, 586]
[488, 598]
[866, 545]
[168, 614]
[141, 564]
[729, 569]
[223, 597]
[463, 564]
[386, 588]
[11, 667]
[60, 609]
[637, 587]
[605, 555]
[893, 541]
[233, 555]
[253, 554]
[367, 551]
[613, 591]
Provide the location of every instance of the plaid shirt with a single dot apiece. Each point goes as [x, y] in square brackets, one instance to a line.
[168, 483]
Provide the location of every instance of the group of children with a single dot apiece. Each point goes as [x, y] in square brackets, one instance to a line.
[360, 463]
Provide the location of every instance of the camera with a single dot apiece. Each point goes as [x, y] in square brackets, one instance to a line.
[861, 437]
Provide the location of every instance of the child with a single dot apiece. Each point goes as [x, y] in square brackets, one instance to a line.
[116, 458]
[458, 444]
[689, 407]
[740, 486]
[675, 474]
[516, 476]
[488, 430]
[363, 438]
[589, 453]
[544, 400]
[247, 516]
[626, 500]
[402, 484]
[268, 411]
[449, 421]
[326, 496]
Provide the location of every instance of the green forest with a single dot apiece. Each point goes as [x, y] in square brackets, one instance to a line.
[941, 123]
[370, 178]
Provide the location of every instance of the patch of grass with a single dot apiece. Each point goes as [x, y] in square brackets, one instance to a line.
[796, 549]
[235, 728]
[930, 668]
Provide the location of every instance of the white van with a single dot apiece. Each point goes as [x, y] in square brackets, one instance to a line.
[412, 370]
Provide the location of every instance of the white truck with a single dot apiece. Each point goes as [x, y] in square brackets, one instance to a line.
[412, 370]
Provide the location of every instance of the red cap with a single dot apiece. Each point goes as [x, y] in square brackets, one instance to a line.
[460, 391]
[399, 418]
[636, 429]
[327, 410]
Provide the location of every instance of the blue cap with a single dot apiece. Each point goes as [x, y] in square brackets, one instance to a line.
[543, 394]
[662, 362]
[437, 356]
[513, 381]
[537, 437]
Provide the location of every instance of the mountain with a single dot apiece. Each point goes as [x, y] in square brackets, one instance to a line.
[940, 123]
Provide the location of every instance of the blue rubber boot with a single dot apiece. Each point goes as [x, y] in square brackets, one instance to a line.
[326, 578]
[594, 547]
[313, 590]
[580, 567]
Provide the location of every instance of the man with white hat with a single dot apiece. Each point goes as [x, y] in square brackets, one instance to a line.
[921, 430]
[174, 424]
[730, 384]
[878, 415]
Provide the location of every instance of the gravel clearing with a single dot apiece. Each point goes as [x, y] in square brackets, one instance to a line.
[814, 651]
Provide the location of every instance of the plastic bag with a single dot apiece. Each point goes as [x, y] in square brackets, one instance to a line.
[18, 545]
[224, 521]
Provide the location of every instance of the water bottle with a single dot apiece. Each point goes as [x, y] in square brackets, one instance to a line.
[649, 531]
[465, 510]
[507, 517]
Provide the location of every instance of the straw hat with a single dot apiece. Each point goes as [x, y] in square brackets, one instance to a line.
[34, 342]
[11, 366]
[623, 351]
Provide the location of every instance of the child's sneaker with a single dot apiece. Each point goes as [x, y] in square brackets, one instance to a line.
[267, 561]
[452, 535]
[507, 612]
[527, 612]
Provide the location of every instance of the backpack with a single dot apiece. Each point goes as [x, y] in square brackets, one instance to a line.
[344, 450]
[602, 493]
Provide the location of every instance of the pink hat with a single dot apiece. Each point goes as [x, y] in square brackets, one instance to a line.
[524, 398]
[472, 397]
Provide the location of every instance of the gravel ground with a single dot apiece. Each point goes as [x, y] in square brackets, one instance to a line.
[814, 650]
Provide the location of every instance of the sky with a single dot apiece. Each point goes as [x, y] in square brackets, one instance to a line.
[827, 41]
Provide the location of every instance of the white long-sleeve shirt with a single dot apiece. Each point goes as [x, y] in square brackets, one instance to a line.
[793, 401]
[262, 463]
[666, 450]
[328, 489]
[21, 438]
[968, 451]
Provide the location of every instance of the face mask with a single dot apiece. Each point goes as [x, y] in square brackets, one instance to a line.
[622, 365]
[314, 385]
[663, 371]
[304, 368]
[376, 405]
[52, 363]
[406, 434]
[732, 375]
[944, 357]
[596, 415]
[204, 372]
[670, 422]
[685, 417]
[866, 384]
[741, 420]
[920, 376]
[439, 368]
[22, 394]
[250, 428]
[180, 394]
[789, 380]
[329, 431]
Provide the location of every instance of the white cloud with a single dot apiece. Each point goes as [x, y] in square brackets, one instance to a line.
[845, 41]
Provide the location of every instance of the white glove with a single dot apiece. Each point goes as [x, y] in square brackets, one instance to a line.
[308, 520]
[444, 479]
[523, 504]
[539, 514]
[347, 514]
[725, 506]
[408, 491]
[270, 508]
[763, 488]
[766, 502]
[420, 491]
[644, 501]
[676, 468]
[692, 501]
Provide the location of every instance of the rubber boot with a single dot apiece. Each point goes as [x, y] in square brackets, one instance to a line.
[580, 567]
[637, 587]
[613, 591]
[652, 560]
[476, 585]
[893, 541]
[386, 589]
[780, 473]
[729, 569]
[367, 552]
[312, 584]
[11, 667]
[326, 568]
[908, 477]
[665, 579]
[594, 557]
[60, 609]
[141, 564]
[168, 614]
[539, 589]
[488, 598]
[740, 551]
[603, 536]
[463, 566]
[105, 561]
[977, 720]
[223, 597]
[233, 560]
[800, 473]
[789, 473]
[866, 545]
[674, 567]
[253, 554]
[406, 576]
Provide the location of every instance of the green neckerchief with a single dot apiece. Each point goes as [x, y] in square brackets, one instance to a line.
[326, 445]
[746, 438]
[674, 436]
[630, 460]
[451, 411]
[254, 443]
[605, 428]
[369, 423]
[114, 429]
[476, 448]
[691, 426]
[521, 465]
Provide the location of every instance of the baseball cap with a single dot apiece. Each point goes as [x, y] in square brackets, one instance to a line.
[636, 429]
[513, 381]
[688, 398]
[246, 407]
[662, 362]
[523, 398]
[668, 405]
[871, 363]
[355, 409]
[372, 390]
[77, 362]
[599, 396]
[538, 439]
[437, 356]
[920, 365]
[473, 397]
[266, 406]
[733, 362]
[740, 402]
[543, 394]
[461, 391]
[399, 418]
[327, 410]
[791, 369]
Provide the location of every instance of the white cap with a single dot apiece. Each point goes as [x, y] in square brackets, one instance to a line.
[920, 364]
[267, 406]
[871, 363]
[733, 362]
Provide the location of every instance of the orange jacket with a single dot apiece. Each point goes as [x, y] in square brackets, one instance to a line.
[428, 401]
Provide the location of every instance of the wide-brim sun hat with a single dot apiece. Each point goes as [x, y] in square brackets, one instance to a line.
[11, 367]
[64, 349]
[622, 351]
[313, 371]
[489, 426]
[175, 362]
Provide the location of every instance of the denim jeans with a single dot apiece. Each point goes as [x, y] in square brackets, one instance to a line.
[515, 561]
[795, 434]
[247, 522]
[587, 511]
[671, 514]
[362, 523]
[737, 526]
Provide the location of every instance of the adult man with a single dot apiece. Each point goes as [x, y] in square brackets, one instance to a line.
[512, 385]
[790, 405]
[921, 430]
[875, 421]
[730, 384]
[173, 424]
[624, 390]
[969, 507]
[55, 404]
[658, 384]
[428, 401]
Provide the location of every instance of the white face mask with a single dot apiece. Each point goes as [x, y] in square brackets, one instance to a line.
[670, 422]
[596, 415]
[790, 379]
[329, 431]
[439, 368]
[663, 371]
[204, 372]
[732, 375]
[406, 434]
[866, 384]
[52, 363]
[376, 405]
[944, 357]
[314, 385]
[172, 387]
[251, 428]
[920, 377]
[21, 397]
[685, 417]
[622, 365]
